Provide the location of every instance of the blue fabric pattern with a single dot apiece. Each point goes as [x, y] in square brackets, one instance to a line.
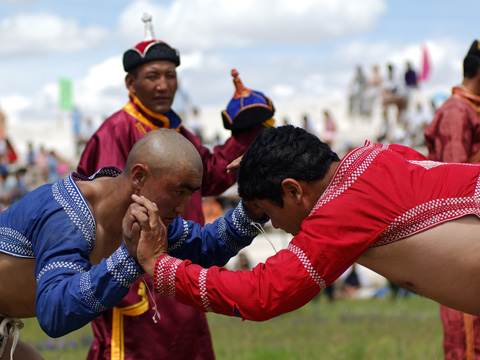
[54, 225]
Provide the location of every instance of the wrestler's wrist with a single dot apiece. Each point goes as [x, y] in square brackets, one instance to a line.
[149, 265]
[157, 265]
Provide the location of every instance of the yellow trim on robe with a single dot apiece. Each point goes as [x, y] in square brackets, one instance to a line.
[469, 336]
[269, 123]
[117, 346]
[130, 109]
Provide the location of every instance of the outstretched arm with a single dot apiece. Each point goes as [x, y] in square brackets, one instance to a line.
[212, 244]
[285, 282]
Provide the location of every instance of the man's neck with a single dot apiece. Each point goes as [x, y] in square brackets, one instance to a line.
[472, 85]
[107, 201]
[328, 178]
[322, 185]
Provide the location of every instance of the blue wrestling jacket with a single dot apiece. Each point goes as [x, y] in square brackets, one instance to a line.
[54, 225]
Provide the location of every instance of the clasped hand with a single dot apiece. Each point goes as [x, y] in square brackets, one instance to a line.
[144, 234]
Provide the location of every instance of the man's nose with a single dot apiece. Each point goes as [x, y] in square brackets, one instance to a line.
[183, 206]
[161, 83]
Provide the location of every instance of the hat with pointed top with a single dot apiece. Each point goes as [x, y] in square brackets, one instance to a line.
[149, 49]
[247, 107]
[474, 49]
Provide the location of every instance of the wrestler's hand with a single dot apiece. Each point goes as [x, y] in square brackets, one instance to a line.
[131, 229]
[233, 167]
[153, 242]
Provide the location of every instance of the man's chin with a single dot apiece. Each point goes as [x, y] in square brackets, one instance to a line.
[161, 108]
[293, 232]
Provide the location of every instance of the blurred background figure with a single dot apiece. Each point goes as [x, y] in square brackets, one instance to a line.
[196, 123]
[410, 77]
[328, 135]
[393, 96]
[212, 209]
[454, 136]
[243, 262]
[373, 90]
[357, 93]
[351, 283]
[307, 124]
[20, 189]
[419, 119]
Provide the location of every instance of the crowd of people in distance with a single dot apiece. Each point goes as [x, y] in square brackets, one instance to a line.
[404, 117]
[18, 178]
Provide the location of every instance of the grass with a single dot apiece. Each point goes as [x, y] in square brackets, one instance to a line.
[354, 329]
[73, 346]
[371, 329]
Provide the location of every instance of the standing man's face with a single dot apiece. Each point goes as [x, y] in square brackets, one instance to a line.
[154, 84]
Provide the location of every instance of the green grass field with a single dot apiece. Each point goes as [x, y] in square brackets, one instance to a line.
[373, 329]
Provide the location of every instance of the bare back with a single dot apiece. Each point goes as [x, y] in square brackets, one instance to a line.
[439, 263]
[17, 286]
[17, 275]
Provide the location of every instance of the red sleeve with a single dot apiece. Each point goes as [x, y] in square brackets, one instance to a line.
[285, 282]
[280, 285]
[215, 177]
[110, 145]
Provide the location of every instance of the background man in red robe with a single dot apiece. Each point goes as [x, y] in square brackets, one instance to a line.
[454, 136]
[127, 331]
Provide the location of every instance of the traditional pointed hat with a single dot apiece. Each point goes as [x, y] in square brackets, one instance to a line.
[474, 49]
[149, 49]
[247, 107]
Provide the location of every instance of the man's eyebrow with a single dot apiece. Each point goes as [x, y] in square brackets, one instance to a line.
[189, 187]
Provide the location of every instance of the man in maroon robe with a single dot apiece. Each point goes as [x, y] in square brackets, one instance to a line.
[454, 136]
[128, 331]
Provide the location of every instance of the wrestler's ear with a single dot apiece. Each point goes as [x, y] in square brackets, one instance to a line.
[292, 189]
[129, 78]
[138, 176]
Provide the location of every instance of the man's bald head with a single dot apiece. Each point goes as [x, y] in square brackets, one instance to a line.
[164, 150]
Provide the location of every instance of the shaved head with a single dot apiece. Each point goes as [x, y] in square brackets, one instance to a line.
[164, 150]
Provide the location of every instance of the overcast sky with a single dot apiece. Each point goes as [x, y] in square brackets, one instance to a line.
[287, 49]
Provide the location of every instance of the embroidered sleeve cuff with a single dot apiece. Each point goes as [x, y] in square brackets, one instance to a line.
[251, 219]
[123, 267]
[164, 275]
[247, 226]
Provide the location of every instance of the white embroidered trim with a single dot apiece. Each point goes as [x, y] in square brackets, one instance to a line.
[358, 161]
[58, 265]
[165, 275]
[202, 284]
[307, 265]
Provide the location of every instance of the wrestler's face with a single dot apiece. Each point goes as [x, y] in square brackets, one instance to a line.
[154, 84]
[287, 218]
[171, 192]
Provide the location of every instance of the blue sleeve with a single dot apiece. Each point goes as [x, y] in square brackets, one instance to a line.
[70, 291]
[215, 243]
